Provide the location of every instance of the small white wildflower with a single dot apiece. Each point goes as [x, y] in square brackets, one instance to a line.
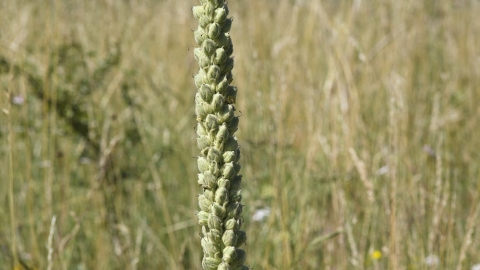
[383, 170]
[476, 267]
[18, 100]
[432, 260]
[261, 214]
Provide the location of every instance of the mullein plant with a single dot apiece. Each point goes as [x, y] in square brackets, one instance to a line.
[218, 163]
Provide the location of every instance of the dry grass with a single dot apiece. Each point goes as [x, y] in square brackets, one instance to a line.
[359, 129]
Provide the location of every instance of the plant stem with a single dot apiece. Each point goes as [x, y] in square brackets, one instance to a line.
[220, 203]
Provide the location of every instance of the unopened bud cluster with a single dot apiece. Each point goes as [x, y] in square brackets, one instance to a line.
[220, 203]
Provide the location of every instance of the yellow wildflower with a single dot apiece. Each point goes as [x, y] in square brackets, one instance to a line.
[376, 254]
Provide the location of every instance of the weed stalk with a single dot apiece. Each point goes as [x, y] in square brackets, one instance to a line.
[218, 163]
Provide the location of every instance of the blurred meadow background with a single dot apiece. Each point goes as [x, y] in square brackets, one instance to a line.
[359, 132]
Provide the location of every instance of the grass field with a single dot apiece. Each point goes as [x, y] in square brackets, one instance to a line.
[359, 131]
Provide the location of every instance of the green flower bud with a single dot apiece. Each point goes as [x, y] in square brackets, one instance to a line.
[204, 203]
[209, 47]
[229, 50]
[241, 238]
[199, 35]
[203, 142]
[236, 182]
[206, 92]
[231, 144]
[227, 66]
[235, 195]
[202, 218]
[200, 180]
[206, 245]
[214, 168]
[240, 258]
[210, 263]
[201, 131]
[214, 155]
[222, 85]
[202, 164]
[221, 195]
[222, 134]
[234, 209]
[224, 40]
[227, 24]
[225, 183]
[211, 122]
[218, 252]
[203, 21]
[200, 78]
[231, 94]
[214, 30]
[224, 266]
[209, 9]
[217, 3]
[204, 231]
[218, 102]
[229, 254]
[226, 114]
[218, 210]
[209, 180]
[233, 125]
[228, 156]
[213, 73]
[215, 236]
[231, 224]
[202, 109]
[214, 222]
[210, 195]
[220, 15]
[228, 171]
[202, 59]
[229, 238]
[225, 6]
[220, 56]
[198, 12]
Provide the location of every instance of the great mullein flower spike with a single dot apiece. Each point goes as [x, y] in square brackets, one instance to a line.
[220, 203]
